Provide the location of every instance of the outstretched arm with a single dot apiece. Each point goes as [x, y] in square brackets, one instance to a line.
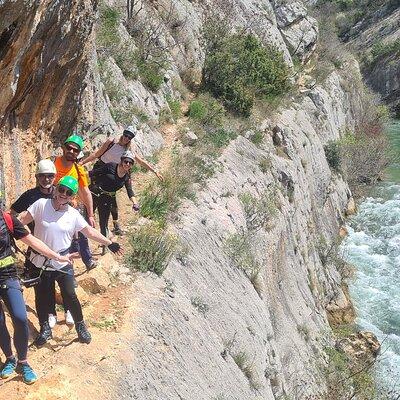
[98, 153]
[42, 248]
[95, 235]
[25, 218]
[148, 166]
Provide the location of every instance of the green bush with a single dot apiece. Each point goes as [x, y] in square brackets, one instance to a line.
[240, 69]
[259, 212]
[175, 107]
[239, 249]
[206, 111]
[107, 32]
[161, 198]
[257, 137]
[221, 137]
[151, 74]
[381, 50]
[332, 154]
[150, 249]
[197, 110]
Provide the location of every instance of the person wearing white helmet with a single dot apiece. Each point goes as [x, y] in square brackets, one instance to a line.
[45, 175]
[106, 181]
[110, 152]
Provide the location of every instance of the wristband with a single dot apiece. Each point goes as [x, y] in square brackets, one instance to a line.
[114, 247]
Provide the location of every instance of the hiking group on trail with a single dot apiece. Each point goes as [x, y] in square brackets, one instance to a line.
[59, 213]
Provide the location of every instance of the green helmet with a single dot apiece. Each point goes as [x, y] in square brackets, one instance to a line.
[70, 182]
[75, 139]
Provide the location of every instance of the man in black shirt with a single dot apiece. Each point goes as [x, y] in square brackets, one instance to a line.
[45, 174]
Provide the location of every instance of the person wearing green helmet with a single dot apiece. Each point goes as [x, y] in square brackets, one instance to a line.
[56, 223]
[67, 164]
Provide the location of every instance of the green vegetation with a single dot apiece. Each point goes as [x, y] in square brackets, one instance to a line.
[221, 137]
[206, 111]
[107, 33]
[161, 198]
[260, 211]
[257, 138]
[175, 107]
[332, 154]
[150, 249]
[133, 60]
[265, 164]
[346, 380]
[151, 73]
[238, 70]
[241, 359]
[238, 247]
[200, 305]
[382, 50]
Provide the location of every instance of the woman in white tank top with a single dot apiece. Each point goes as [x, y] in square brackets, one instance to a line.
[111, 151]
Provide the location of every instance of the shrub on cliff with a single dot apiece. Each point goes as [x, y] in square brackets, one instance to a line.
[239, 69]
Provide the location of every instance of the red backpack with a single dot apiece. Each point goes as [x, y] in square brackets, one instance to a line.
[9, 222]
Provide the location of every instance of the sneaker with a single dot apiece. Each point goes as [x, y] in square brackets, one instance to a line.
[117, 229]
[91, 265]
[68, 318]
[28, 375]
[84, 335]
[8, 368]
[52, 320]
[44, 335]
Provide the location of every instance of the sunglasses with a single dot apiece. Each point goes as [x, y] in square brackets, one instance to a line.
[73, 149]
[129, 136]
[129, 162]
[47, 176]
[62, 189]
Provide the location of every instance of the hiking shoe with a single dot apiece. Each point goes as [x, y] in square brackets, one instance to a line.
[28, 375]
[52, 320]
[44, 335]
[68, 318]
[92, 265]
[8, 368]
[117, 229]
[84, 335]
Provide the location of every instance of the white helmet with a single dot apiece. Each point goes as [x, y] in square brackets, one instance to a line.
[45, 167]
[128, 154]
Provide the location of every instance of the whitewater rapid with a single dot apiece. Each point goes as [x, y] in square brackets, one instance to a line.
[373, 247]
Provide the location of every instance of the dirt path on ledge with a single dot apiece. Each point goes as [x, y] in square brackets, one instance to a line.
[67, 369]
[70, 370]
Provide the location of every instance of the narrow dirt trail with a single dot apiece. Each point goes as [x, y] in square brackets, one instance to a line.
[67, 369]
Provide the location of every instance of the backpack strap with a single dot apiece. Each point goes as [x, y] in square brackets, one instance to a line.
[10, 226]
[9, 221]
[111, 144]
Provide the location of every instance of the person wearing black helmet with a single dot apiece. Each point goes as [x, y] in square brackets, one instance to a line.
[111, 151]
[108, 179]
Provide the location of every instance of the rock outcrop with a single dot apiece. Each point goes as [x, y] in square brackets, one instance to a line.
[204, 330]
[380, 27]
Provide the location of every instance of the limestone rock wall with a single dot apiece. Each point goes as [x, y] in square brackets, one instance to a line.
[280, 325]
[380, 27]
[249, 341]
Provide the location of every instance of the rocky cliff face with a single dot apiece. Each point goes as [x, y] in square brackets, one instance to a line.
[378, 31]
[204, 330]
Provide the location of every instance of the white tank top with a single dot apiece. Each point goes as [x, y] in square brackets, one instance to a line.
[114, 153]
